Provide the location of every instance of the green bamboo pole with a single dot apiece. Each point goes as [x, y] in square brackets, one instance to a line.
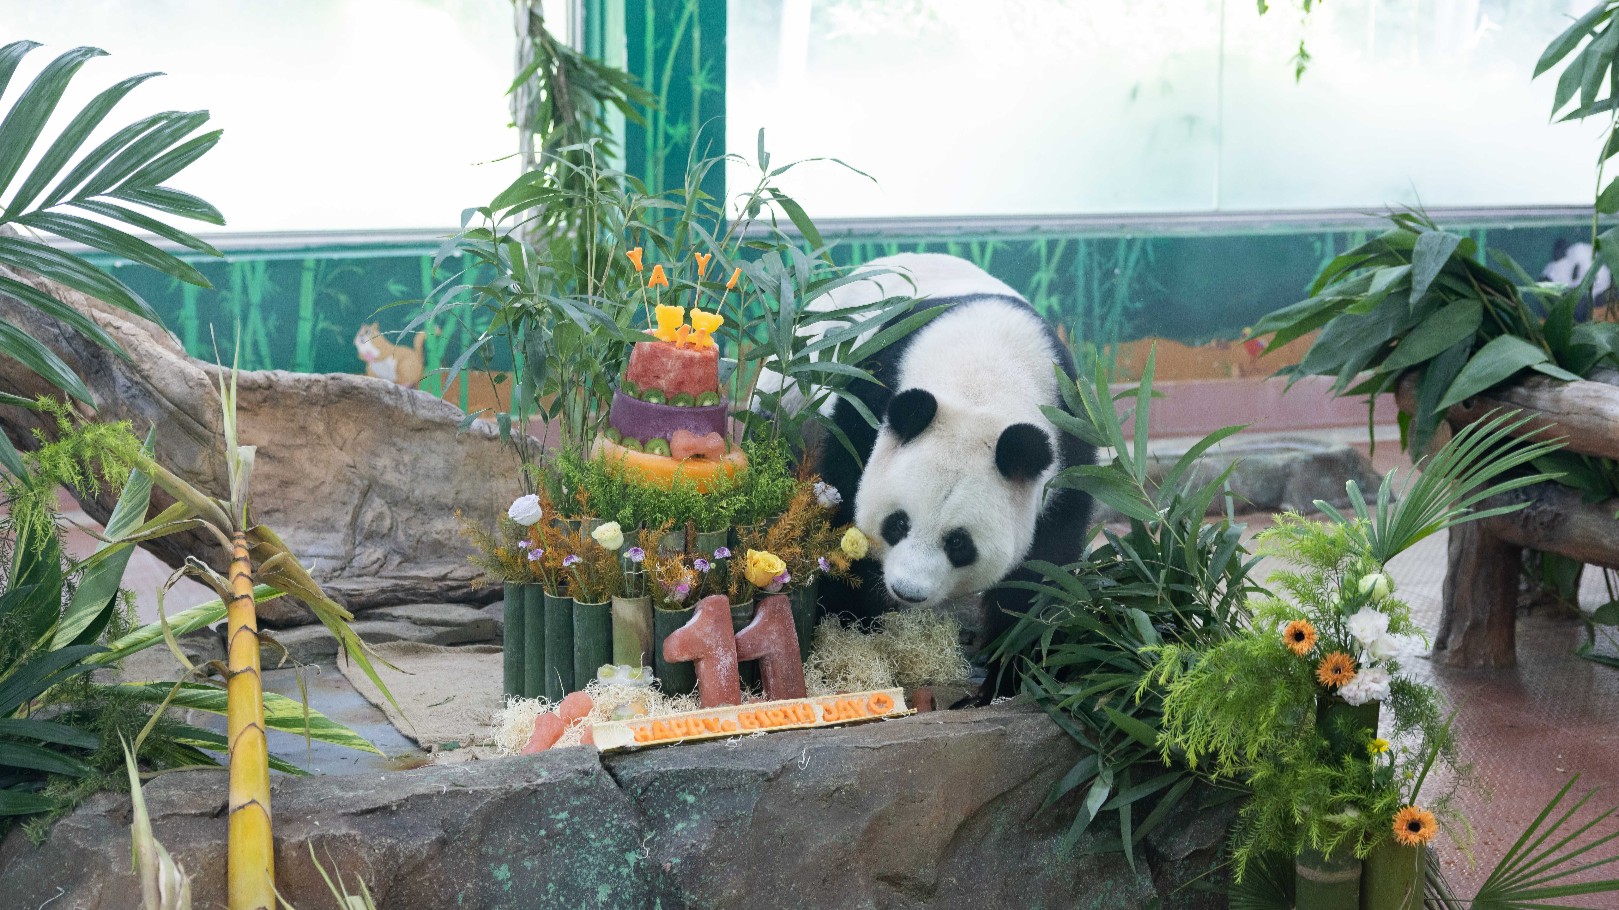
[558, 647]
[632, 631]
[592, 640]
[1328, 882]
[747, 670]
[535, 635]
[1392, 878]
[806, 604]
[513, 679]
[677, 678]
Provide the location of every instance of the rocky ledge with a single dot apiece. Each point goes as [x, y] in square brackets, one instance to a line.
[936, 810]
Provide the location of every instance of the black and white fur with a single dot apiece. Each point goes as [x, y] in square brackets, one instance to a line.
[952, 493]
[1569, 264]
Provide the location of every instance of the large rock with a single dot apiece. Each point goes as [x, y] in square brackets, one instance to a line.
[939, 810]
[360, 476]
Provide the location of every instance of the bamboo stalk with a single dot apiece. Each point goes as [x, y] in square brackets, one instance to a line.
[592, 640]
[558, 647]
[512, 667]
[534, 637]
[250, 871]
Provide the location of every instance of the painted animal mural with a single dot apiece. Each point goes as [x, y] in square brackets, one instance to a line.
[386, 360]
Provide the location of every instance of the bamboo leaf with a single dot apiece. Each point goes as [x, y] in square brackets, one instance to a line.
[26, 119]
[1499, 360]
[280, 712]
[16, 343]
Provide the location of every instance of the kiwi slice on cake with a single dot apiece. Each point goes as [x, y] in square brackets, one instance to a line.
[629, 388]
[657, 447]
[683, 400]
[634, 445]
[708, 399]
[653, 396]
[613, 435]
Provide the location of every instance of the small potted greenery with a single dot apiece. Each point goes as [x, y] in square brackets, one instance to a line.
[632, 604]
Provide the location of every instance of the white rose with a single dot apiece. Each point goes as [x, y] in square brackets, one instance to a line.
[526, 510]
[1377, 584]
[1397, 647]
[1368, 625]
[609, 535]
[1370, 684]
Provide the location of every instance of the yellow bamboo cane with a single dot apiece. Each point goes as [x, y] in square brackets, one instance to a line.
[251, 855]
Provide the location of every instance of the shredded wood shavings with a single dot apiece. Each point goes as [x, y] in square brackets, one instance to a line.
[515, 725]
[909, 649]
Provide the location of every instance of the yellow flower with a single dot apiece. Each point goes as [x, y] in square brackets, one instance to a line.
[1335, 669]
[1299, 636]
[854, 544]
[635, 257]
[1414, 827]
[763, 568]
[1377, 746]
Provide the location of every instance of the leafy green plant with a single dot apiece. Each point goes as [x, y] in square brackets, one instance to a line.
[1417, 300]
[130, 167]
[62, 619]
[1316, 773]
[1172, 579]
[1584, 75]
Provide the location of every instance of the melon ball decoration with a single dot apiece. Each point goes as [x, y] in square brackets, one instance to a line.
[669, 416]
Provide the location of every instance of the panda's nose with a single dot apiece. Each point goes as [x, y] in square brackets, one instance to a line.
[906, 594]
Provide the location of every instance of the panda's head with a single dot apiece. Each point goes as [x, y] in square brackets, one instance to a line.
[950, 496]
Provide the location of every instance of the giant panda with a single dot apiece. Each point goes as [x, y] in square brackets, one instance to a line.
[951, 487]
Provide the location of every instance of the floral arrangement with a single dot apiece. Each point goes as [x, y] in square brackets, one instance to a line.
[798, 547]
[1290, 706]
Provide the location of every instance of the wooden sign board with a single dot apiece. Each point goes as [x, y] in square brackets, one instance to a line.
[754, 717]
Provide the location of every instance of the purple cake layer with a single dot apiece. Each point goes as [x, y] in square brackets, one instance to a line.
[642, 420]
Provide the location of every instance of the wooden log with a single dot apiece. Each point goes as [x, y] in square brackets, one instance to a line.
[1480, 602]
[1481, 582]
[1583, 413]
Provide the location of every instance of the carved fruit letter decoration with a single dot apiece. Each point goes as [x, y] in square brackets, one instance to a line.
[772, 640]
[709, 640]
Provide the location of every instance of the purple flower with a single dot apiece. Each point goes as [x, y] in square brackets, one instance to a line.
[678, 595]
[822, 564]
[722, 553]
[635, 554]
[783, 578]
[701, 564]
[572, 559]
[526, 544]
[827, 495]
[534, 555]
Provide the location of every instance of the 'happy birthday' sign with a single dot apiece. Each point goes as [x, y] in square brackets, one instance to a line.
[755, 717]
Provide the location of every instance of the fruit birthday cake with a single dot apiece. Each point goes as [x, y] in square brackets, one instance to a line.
[669, 416]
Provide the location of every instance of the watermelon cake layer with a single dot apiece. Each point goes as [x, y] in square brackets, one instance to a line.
[643, 420]
[672, 370]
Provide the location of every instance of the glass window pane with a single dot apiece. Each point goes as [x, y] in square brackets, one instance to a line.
[962, 107]
[338, 114]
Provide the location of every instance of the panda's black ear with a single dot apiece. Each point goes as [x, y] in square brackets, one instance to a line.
[910, 412]
[1023, 452]
[1559, 249]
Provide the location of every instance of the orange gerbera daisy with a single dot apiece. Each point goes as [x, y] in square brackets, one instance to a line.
[1335, 669]
[1300, 637]
[1414, 827]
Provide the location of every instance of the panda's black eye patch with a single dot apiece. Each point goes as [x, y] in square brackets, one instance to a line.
[895, 527]
[959, 548]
